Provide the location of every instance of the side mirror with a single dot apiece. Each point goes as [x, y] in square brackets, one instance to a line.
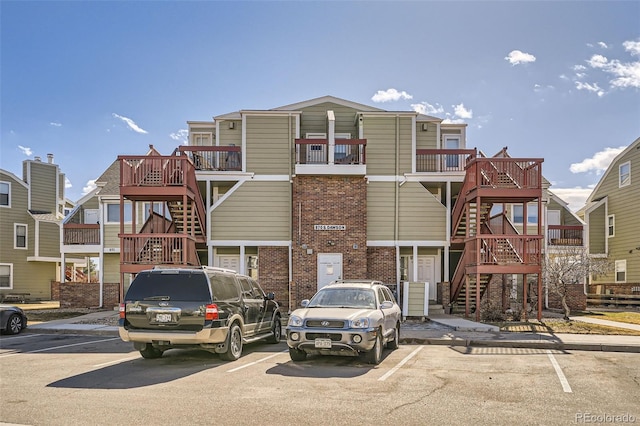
[271, 295]
[304, 303]
[386, 305]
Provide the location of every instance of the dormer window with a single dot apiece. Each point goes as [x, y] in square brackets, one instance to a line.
[5, 194]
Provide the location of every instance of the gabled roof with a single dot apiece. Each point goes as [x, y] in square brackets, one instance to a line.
[564, 204]
[635, 144]
[237, 115]
[109, 181]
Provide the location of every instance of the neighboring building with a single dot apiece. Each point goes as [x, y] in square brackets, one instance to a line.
[307, 193]
[612, 214]
[90, 231]
[31, 210]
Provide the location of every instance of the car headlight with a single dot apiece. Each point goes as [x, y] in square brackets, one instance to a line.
[360, 323]
[295, 321]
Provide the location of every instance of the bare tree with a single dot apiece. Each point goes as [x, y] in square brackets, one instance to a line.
[570, 266]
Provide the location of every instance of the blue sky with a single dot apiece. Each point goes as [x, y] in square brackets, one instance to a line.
[88, 81]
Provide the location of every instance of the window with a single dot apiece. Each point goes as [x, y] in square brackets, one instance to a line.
[625, 174]
[113, 213]
[5, 194]
[611, 226]
[621, 271]
[6, 275]
[201, 139]
[157, 208]
[518, 215]
[452, 142]
[20, 232]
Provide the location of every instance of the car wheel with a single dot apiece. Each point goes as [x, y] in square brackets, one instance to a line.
[374, 356]
[297, 354]
[15, 324]
[395, 343]
[276, 330]
[234, 344]
[149, 352]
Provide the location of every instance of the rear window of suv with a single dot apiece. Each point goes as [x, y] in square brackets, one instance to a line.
[169, 285]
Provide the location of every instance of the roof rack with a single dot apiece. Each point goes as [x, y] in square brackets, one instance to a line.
[199, 268]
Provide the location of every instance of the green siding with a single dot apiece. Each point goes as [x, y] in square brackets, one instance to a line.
[426, 140]
[267, 148]
[230, 136]
[416, 299]
[43, 183]
[49, 239]
[255, 211]
[314, 119]
[597, 231]
[112, 268]
[380, 211]
[111, 239]
[380, 133]
[34, 278]
[422, 217]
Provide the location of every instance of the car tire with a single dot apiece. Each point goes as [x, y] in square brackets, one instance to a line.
[276, 330]
[234, 344]
[297, 355]
[15, 324]
[374, 356]
[149, 352]
[395, 343]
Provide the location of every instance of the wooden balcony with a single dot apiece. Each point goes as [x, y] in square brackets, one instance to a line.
[513, 180]
[508, 251]
[156, 249]
[443, 160]
[81, 234]
[214, 158]
[565, 235]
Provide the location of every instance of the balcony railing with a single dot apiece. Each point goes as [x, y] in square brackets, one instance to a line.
[214, 158]
[443, 160]
[505, 249]
[316, 151]
[74, 234]
[155, 249]
[565, 235]
[506, 173]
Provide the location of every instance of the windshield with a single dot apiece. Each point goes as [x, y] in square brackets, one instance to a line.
[344, 298]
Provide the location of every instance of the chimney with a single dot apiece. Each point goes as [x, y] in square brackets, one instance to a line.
[50, 158]
[36, 158]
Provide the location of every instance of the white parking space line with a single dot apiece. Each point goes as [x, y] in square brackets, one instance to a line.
[22, 336]
[58, 347]
[556, 366]
[117, 361]
[400, 364]
[256, 362]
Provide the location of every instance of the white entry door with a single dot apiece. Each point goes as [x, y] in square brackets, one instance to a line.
[426, 273]
[329, 268]
[229, 262]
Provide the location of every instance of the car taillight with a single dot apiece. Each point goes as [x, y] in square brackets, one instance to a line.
[122, 310]
[211, 312]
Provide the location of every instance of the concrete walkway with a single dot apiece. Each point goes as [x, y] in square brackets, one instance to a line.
[607, 323]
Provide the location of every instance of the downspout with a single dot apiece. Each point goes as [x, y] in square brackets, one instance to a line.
[291, 165]
[397, 171]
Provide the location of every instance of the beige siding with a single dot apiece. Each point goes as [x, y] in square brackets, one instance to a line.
[426, 139]
[406, 149]
[267, 149]
[49, 239]
[230, 136]
[34, 278]
[43, 183]
[422, 217]
[314, 119]
[416, 300]
[380, 133]
[112, 268]
[380, 211]
[17, 213]
[255, 211]
[111, 239]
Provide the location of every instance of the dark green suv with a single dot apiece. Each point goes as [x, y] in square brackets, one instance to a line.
[211, 308]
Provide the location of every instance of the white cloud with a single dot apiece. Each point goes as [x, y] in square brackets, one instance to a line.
[453, 121]
[574, 197]
[603, 44]
[181, 135]
[55, 124]
[67, 183]
[462, 112]
[90, 186]
[598, 163]
[589, 87]
[516, 57]
[633, 47]
[579, 68]
[427, 108]
[25, 150]
[130, 123]
[390, 95]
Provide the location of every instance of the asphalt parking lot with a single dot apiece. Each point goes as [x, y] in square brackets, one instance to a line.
[59, 379]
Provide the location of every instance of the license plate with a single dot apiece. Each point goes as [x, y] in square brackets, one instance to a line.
[163, 317]
[323, 343]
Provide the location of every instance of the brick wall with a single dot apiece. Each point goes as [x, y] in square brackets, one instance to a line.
[576, 299]
[274, 273]
[86, 295]
[327, 200]
[381, 264]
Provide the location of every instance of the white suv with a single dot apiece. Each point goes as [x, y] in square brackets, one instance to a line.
[347, 317]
